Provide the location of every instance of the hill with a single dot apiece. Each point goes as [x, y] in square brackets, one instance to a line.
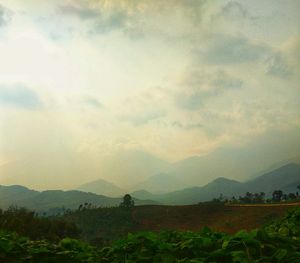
[194, 195]
[15, 194]
[102, 187]
[280, 178]
[286, 178]
[233, 163]
[55, 199]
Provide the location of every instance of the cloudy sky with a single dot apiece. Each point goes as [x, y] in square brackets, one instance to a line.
[83, 83]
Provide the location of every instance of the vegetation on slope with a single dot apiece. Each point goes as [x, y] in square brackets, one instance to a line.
[102, 225]
[26, 223]
[53, 202]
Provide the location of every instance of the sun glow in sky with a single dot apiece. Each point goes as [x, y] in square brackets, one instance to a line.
[85, 83]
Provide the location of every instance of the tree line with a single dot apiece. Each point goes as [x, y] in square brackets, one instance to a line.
[260, 197]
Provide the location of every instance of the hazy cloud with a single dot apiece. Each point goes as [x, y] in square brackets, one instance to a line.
[93, 103]
[143, 117]
[19, 96]
[144, 107]
[116, 20]
[198, 87]
[234, 10]
[227, 71]
[190, 126]
[277, 66]
[101, 19]
[225, 49]
[81, 11]
[138, 18]
[5, 15]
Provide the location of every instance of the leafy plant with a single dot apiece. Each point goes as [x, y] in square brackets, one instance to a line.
[278, 242]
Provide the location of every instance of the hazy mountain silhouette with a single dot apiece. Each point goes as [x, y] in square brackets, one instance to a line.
[194, 195]
[286, 178]
[130, 167]
[228, 162]
[50, 199]
[280, 178]
[102, 187]
[233, 163]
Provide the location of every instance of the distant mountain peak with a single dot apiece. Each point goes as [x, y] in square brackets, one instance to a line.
[224, 180]
[142, 191]
[102, 187]
[15, 187]
[289, 165]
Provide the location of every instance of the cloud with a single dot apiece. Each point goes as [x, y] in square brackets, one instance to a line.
[236, 84]
[189, 126]
[199, 87]
[277, 66]
[19, 96]
[93, 103]
[226, 49]
[293, 52]
[102, 19]
[116, 20]
[137, 19]
[82, 12]
[144, 107]
[5, 15]
[143, 117]
[234, 10]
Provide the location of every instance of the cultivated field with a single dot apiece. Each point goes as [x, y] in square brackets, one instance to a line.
[225, 218]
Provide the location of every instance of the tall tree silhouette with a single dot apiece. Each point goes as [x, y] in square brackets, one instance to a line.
[277, 195]
[127, 201]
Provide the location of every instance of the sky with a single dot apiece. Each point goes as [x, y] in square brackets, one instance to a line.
[87, 85]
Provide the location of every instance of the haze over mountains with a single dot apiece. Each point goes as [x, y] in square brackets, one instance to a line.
[134, 170]
[229, 163]
[102, 187]
[154, 95]
[285, 178]
[21, 196]
[137, 170]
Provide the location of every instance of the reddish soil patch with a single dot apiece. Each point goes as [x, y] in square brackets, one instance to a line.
[219, 217]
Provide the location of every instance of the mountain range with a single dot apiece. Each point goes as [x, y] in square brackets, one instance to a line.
[21, 196]
[285, 178]
[133, 169]
[102, 187]
[169, 177]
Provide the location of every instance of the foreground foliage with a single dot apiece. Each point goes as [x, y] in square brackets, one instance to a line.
[277, 242]
[103, 225]
[26, 223]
